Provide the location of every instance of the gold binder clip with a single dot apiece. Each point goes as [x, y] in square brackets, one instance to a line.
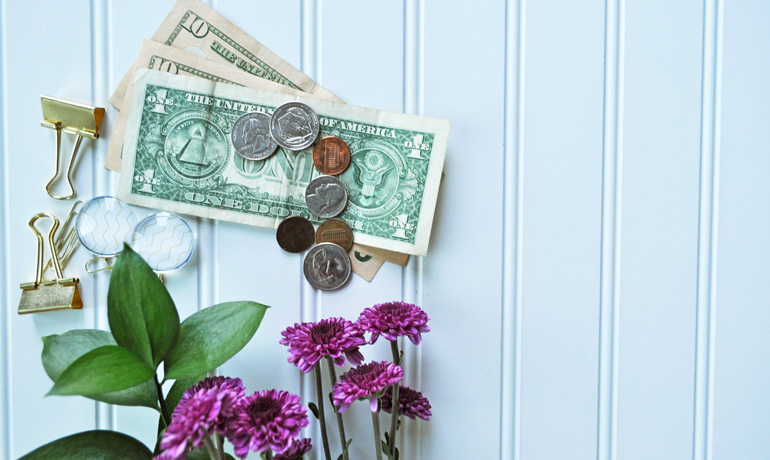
[73, 118]
[58, 294]
[67, 240]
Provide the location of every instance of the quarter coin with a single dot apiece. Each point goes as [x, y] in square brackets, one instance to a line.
[295, 234]
[326, 197]
[331, 155]
[335, 231]
[294, 126]
[251, 136]
[327, 267]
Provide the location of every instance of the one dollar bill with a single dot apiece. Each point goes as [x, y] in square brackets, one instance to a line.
[157, 56]
[178, 156]
[194, 27]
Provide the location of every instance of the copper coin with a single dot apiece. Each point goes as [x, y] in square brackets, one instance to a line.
[331, 155]
[335, 231]
[295, 234]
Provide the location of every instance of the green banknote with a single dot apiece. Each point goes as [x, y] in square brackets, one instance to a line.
[178, 156]
[196, 28]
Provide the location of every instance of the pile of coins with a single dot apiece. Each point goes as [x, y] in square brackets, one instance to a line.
[294, 126]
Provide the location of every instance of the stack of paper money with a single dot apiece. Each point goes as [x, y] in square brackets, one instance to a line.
[172, 100]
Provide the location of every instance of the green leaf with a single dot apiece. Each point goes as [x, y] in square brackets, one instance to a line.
[314, 409]
[59, 351]
[93, 445]
[101, 370]
[211, 336]
[178, 389]
[142, 315]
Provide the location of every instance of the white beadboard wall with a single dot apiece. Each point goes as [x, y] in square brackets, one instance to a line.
[599, 273]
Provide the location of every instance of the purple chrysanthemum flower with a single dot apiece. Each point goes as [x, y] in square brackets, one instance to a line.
[165, 456]
[266, 420]
[333, 337]
[393, 320]
[366, 381]
[227, 389]
[192, 420]
[299, 447]
[410, 403]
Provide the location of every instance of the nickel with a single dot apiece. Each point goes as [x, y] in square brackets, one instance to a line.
[331, 155]
[251, 136]
[326, 197]
[327, 267]
[294, 126]
[295, 234]
[335, 231]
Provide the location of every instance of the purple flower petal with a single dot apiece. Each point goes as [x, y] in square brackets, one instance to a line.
[333, 337]
[366, 381]
[393, 320]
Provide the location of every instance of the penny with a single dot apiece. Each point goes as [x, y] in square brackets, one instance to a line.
[294, 126]
[335, 231]
[251, 136]
[326, 197]
[331, 155]
[327, 267]
[295, 234]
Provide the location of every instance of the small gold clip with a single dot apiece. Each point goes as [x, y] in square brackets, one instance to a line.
[58, 294]
[67, 240]
[73, 118]
[106, 262]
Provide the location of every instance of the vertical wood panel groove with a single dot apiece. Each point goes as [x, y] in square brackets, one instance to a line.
[609, 300]
[412, 273]
[104, 417]
[707, 230]
[513, 221]
[6, 431]
[309, 55]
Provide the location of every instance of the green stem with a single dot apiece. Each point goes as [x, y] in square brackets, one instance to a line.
[321, 415]
[162, 400]
[210, 446]
[343, 438]
[395, 405]
[269, 454]
[220, 445]
[376, 426]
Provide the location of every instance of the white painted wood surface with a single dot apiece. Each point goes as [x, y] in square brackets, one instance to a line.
[598, 274]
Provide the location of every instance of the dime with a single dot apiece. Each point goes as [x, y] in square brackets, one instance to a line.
[335, 231]
[327, 267]
[326, 196]
[251, 136]
[295, 234]
[331, 155]
[294, 126]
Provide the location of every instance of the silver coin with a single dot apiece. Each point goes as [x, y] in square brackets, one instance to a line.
[294, 126]
[251, 136]
[326, 197]
[327, 267]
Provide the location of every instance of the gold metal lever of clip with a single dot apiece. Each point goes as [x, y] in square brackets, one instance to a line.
[73, 118]
[41, 295]
[66, 238]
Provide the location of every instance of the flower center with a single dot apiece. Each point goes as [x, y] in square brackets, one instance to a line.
[394, 309]
[265, 408]
[324, 331]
